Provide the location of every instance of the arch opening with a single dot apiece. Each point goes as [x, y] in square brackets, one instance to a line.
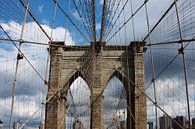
[115, 104]
[78, 104]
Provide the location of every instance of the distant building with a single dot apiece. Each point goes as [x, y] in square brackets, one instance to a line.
[150, 125]
[1, 124]
[193, 121]
[78, 125]
[18, 124]
[122, 125]
[181, 120]
[186, 124]
[42, 125]
[165, 122]
[193, 127]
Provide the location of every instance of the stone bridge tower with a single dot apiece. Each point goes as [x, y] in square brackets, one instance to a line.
[96, 64]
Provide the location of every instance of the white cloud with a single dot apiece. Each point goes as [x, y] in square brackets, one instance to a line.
[171, 98]
[139, 20]
[98, 26]
[40, 8]
[101, 1]
[14, 29]
[76, 15]
[29, 86]
[46, 22]
[33, 33]
[23, 108]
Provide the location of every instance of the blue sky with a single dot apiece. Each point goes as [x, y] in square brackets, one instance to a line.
[45, 10]
[11, 18]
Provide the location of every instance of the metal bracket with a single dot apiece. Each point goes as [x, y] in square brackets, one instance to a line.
[152, 80]
[20, 56]
[181, 50]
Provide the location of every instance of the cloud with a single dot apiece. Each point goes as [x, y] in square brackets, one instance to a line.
[29, 87]
[169, 86]
[40, 8]
[101, 2]
[98, 26]
[24, 107]
[76, 15]
[46, 22]
[33, 33]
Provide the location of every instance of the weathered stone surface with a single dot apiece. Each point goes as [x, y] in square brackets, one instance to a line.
[125, 62]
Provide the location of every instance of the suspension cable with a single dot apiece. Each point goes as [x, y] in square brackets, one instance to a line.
[37, 22]
[158, 22]
[151, 99]
[93, 19]
[67, 16]
[133, 23]
[19, 56]
[181, 51]
[160, 73]
[112, 17]
[127, 20]
[103, 20]
[153, 68]
[117, 18]
[81, 18]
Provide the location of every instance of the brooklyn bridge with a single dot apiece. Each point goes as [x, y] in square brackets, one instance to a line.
[97, 64]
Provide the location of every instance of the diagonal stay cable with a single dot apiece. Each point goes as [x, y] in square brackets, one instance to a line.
[116, 32]
[151, 100]
[67, 16]
[55, 93]
[119, 102]
[117, 18]
[85, 15]
[112, 16]
[166, 12]
[93, 19]
[33, 17]
[109, 7]
[22, 54]
[164, 69]
[87, 29]
[103, 20]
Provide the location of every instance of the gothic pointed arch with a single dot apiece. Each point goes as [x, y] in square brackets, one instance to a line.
[78, 100]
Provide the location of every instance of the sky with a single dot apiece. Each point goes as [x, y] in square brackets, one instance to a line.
[30, 91]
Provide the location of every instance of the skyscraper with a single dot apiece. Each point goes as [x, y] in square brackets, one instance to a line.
[150, 125]
[165, 122]
[193, 121]
[180, 120]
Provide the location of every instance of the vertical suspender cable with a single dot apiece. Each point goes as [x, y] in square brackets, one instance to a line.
[181, 50]
[19, 56]
[133, 25]
[93, 19]
[47, 63]
[125, 26]
[103, 20]
[65, 34]
[54, 18]
[152, 61]
[51, 39]
[151, 100]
